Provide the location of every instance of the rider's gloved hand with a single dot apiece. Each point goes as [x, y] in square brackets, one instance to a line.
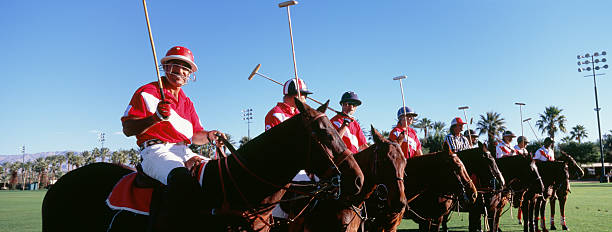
[347, 121]
[163, 110]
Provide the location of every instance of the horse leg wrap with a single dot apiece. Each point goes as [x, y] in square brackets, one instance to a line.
[563, 220]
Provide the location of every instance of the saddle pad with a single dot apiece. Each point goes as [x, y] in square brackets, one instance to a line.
[125, 196]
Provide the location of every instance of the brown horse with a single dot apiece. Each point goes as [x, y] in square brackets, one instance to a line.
[483, 170]
[555, 176]
[521, 173]
[575, 172]
[380, 164]
[436, 175]
[251, 181]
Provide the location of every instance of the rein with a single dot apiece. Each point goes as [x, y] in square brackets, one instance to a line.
[254, 213]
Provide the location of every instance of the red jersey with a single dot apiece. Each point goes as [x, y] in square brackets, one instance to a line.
[353, 138]
[280, 113]
[182, 123]
[412, 141]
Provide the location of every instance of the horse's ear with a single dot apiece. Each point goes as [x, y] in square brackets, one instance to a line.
[323, 107]
[481, 145]
[376, 136]
[302, 107]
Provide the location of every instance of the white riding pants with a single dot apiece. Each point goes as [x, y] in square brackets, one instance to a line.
[159, 159]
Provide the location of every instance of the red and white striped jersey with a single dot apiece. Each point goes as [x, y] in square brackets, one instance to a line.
[544, 154]
[411, 142]
[279, 113]
[354, 137]
[521, 151]
[503, 149]
[182, 123]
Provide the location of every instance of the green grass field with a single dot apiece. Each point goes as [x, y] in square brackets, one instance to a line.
[589, 208]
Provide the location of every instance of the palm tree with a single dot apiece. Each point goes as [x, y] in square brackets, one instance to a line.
[89, 158]
[551, 121]
[578, 132]
[243, 141]
[566, 139]
[438, 128]
[4, 174]
[79, 160]
[425, 125]
[60, 161]
[491, 124]
[14, 169]
[104, 153]
[119, 157]
[133, 157]
[70, 157]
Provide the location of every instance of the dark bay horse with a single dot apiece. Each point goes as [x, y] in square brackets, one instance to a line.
[555, 176]
[435, 175]
[521, 174]
[483, 170]
[383, 165]
[575, 172]
[246, 184]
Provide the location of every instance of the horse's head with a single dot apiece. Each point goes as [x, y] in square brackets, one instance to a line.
[455, 178]
[481, 163]
[574, 169]
[523, 172]
[328, 149]
[388, 171]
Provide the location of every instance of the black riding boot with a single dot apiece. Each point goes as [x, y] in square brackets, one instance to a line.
[184, 194]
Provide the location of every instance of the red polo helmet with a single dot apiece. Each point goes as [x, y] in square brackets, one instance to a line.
[180, 53]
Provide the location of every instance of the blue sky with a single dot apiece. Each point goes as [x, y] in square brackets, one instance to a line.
[70, 67]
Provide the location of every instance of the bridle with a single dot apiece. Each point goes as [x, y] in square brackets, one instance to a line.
[253, 213]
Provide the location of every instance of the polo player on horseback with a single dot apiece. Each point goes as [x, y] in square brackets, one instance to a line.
[164, 127]
[504, 148]
[472, 134]
[521, 146]
[286, 109]
[547, 151]
[347, 127]
[455, 141]
[404, 135]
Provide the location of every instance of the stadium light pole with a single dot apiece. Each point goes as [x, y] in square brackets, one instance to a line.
[590, 59]
[23, 167]
[247, 115]
[520, 104]
[102, 139]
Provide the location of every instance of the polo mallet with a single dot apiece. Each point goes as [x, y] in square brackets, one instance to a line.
[256, 72]
[534, 134]
[159, 80]
[468, 125]
[297, 79]
[399, 78]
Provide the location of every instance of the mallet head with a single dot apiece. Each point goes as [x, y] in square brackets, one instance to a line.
[527, 119]
[400, 77]
[464, 107]
[519, 103]
[254, 71]
[287, 3]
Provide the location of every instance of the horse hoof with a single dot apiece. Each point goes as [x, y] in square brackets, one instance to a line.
[565, 227]
[552, 227]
